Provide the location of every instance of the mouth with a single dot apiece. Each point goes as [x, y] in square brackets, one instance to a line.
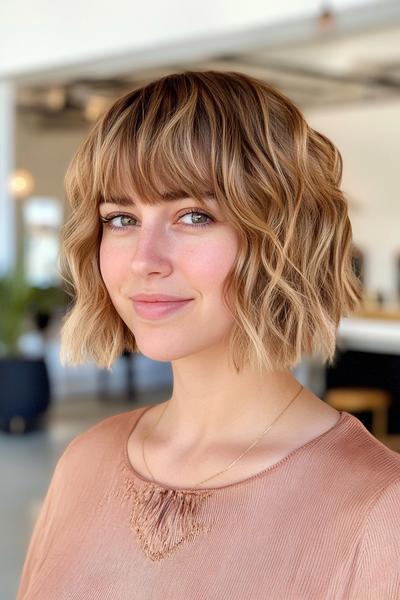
[159, 309]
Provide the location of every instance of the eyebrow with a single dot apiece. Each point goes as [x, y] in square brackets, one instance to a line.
[167, 196]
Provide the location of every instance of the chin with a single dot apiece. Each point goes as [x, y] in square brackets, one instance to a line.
[160, 354]
[168, 348]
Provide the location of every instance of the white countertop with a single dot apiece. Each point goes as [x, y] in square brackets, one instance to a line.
[369, 335]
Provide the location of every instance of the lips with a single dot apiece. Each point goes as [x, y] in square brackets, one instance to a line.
[158, 298]
[157, 310]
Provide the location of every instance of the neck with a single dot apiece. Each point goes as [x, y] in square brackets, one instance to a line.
[211, 404]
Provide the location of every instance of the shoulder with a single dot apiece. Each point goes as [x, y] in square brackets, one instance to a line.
[386, 507]
[377, 568]
[101, 441]
[363, 459]
[381, 532]
[107, 427]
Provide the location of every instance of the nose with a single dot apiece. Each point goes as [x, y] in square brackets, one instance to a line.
[151, 253]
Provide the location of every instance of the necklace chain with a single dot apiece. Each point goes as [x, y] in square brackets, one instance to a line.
[256, 441]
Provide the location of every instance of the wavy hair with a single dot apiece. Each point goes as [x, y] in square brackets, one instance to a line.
[276, 179]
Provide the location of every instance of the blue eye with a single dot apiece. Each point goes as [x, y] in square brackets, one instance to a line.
[124, 220]
[197, 213]
[108, 221]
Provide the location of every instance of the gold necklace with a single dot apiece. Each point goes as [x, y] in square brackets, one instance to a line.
[252, 445]
[165, 518]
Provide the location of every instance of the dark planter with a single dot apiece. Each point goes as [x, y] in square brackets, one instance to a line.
[24, 394]
[42, 320]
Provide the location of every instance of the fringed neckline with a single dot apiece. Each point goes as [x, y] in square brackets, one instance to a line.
[163, 519]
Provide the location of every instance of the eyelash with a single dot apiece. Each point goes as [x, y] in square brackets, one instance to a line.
[107, 220]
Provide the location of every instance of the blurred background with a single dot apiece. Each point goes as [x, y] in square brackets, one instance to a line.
[61, 66]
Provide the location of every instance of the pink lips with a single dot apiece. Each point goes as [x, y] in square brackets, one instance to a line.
[157, 298]
[156, 309]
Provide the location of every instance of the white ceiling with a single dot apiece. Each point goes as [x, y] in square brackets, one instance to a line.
[356, 58]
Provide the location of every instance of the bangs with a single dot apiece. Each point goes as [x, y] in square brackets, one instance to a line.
[156, 146]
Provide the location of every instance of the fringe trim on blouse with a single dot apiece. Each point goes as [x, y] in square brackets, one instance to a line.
[163, 518]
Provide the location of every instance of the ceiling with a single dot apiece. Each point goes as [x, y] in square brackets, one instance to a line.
[329, 60]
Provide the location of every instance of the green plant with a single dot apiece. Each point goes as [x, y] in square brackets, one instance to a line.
[20, 303]
[46, 300]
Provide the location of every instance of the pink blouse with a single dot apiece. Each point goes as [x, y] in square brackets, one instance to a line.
[322, 523]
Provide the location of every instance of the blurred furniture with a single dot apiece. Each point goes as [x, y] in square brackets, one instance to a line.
[373, 370]
[24, 394]
[130, 389]
[368, 356]
[397, 259]
[358, 263]
[355, 400]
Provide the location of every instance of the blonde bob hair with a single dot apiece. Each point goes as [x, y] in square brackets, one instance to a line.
[275, 178]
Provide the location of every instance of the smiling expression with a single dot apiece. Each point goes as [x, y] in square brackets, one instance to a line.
[178, 248]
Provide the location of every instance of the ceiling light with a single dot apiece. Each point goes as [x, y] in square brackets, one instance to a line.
[21, 183]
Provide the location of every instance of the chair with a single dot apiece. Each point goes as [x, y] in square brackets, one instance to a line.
[360, 399]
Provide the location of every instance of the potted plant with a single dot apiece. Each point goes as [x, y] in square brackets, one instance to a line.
[25, 386]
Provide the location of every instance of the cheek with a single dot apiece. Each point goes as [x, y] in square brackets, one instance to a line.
[112, 265]
[211, 265]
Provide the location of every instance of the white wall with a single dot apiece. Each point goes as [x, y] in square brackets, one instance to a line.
[368, 137]
[46, 153]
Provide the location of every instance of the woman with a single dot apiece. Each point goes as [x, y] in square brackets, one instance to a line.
[208, 229]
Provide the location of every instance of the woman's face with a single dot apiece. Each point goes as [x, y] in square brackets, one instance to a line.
[163, 249]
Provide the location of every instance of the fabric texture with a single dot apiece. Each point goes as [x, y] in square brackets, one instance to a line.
[322, 523]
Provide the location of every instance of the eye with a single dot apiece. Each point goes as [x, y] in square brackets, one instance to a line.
[119, 222]
[112, 219]
[197, 214]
